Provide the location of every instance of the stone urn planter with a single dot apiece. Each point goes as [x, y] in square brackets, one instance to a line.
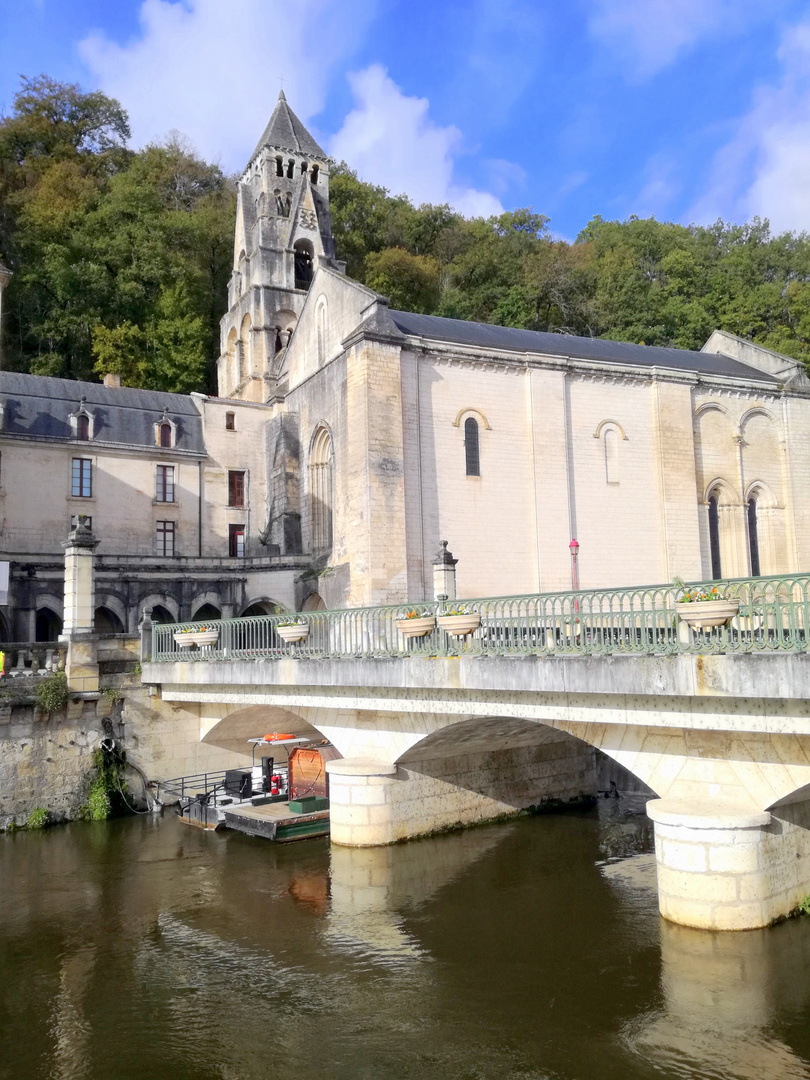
[185, 641]
[291, 634]
[460, 625]
[707, 614]
[414, 628]
[204, 637]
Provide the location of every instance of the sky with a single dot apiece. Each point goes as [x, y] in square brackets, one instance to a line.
[686, 110]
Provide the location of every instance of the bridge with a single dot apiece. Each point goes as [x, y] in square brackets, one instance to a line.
[451, 717]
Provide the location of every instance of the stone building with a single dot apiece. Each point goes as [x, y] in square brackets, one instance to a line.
[349, 439]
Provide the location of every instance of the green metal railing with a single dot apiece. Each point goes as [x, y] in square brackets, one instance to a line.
[773, 615]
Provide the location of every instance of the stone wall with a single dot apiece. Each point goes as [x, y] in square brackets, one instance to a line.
[45, 758]
[451, 792]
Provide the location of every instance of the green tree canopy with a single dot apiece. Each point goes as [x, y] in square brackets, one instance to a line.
[121, 258]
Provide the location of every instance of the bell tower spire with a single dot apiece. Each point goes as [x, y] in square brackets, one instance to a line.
[283, 229]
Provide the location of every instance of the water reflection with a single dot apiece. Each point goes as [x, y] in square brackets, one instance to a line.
[527, 951]
[723, 996]
[374, 889]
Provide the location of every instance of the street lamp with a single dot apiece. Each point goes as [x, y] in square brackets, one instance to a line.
[573, 547]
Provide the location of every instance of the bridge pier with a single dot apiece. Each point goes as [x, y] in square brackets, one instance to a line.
[727, 868]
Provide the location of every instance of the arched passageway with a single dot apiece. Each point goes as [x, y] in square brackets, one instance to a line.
[106, 621]
[48, 625]
[262, 607]
[162, 615]
[206, 611]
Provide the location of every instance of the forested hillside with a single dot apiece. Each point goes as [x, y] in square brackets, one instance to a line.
[121, 258]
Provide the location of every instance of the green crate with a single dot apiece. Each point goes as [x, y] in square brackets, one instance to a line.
[311, 804]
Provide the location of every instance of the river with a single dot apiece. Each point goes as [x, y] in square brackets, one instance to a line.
[142, 949]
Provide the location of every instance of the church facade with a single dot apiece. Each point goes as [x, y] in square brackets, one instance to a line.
[349, 439]
[405, 429]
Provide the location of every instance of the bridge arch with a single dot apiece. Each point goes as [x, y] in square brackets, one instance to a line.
[230, 726]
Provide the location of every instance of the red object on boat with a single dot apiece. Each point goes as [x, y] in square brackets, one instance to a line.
[276, 737]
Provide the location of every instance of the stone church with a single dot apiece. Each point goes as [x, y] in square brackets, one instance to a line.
[391, 431]
[349, 439]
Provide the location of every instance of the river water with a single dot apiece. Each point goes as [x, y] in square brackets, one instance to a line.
[143, 949]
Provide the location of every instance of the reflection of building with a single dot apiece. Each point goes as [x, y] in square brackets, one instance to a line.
[350, 439]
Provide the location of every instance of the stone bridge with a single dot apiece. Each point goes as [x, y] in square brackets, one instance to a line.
[715, 726]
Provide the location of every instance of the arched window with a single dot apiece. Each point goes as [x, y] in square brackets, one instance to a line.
[291, 169]
[753, 537]
[314, 174]
[714, 537]
[165, 434]
[279, 166]
[303, 263]
[304, 168]
[471, 447]
[612, 456]
[320, 489]
[321, 320]
[83, 426]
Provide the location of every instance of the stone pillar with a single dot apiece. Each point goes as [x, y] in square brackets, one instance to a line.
[728, 868]
[360, 813]
[444, 574]
[80, 596]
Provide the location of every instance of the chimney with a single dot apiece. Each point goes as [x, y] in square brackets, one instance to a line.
[112, 380]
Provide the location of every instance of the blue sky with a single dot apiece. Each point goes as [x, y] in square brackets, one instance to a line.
[688, 110]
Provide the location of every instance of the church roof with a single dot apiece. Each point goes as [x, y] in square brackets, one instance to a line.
[286, 131]
[41, 406]
[510, 339]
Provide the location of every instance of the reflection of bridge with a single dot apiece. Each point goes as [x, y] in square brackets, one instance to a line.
[440, 731]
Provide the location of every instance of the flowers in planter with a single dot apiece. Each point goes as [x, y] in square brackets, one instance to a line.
[416, 613]
[291, 622]
[698, 595]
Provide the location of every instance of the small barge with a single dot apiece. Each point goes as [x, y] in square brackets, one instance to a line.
[281, 802]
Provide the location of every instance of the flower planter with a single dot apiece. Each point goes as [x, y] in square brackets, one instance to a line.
[412, 628]
[204, 637]
[290, 634]
[707, 614]
[185, 641]
[460, 625]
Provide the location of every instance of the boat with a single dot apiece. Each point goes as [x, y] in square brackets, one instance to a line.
[280, 802]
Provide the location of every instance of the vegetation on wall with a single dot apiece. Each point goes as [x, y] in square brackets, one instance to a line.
[104, 789]
[52, 692]
[121, 258]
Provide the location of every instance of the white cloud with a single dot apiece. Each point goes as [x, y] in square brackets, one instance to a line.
[649, 34]
[764, 169]
[661, 186]
[390, 140]
[210, 69]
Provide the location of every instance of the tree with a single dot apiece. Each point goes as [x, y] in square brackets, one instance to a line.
[411, 282]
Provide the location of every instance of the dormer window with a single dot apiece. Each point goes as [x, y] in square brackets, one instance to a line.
[81, 423]
[166, 431]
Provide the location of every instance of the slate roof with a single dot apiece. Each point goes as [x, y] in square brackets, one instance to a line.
[286, 131]
[510, 339]
[39, 406]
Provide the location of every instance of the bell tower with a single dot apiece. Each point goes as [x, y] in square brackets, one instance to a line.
[283, 229]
